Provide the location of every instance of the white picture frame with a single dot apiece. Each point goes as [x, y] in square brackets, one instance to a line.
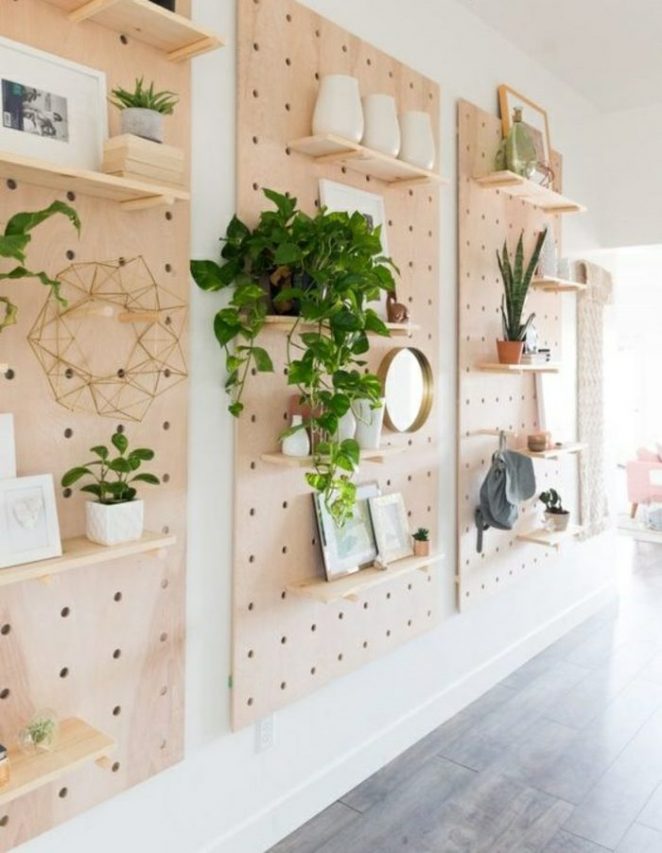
[552, 404]
[50, 108]
[348, 549]
[389, 520]
[342, 198]
[29, 528]
[7, 447]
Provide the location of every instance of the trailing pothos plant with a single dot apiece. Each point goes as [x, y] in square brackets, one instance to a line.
[325, 269]
[13, 244]
[516, 282]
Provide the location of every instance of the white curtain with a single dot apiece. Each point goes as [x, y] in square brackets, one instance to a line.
[590, 395]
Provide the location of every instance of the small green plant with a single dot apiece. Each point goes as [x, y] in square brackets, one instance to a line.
[552, 500]
[144, 98]
[113, 477]
[41, 731]
[422, 535]
[13, 244]
[516, 283]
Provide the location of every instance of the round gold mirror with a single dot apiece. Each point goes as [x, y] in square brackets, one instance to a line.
[408, 387]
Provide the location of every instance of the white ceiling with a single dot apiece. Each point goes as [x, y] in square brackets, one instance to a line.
[608, 50]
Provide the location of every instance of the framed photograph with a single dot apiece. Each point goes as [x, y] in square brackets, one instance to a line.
[29, 529]
[535, 120]
[553, 410]
[7, 448]
[52, 109]
[389, 519]
[341, 198]
[350, 548]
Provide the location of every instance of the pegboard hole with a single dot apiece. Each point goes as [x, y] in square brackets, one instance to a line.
[11, 184]
[283, 641]
[313, 670]
[340, 656]
[283, 685]
[164, 690]
[6, 629]
[163, 637]
[64, 672]
[4, 820]
[117, 710]
[5, 693]
[117, 597]
[62, 793]
[117, 654]
[115, 767]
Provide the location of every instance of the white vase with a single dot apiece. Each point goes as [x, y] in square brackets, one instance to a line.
[548, 264]
[382, 130]
[418, 146]
[111, 524]
[298, 443]
[369, 423]
[338, 109]
[346, 426]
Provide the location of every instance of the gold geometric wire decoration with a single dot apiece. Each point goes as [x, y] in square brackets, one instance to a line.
[116, 346]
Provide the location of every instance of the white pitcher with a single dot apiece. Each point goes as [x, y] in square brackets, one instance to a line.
[369, 423]
[338, 109]
[298, 443]
[418, 146]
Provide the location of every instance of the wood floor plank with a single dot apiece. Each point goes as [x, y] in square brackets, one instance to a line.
[313, 834]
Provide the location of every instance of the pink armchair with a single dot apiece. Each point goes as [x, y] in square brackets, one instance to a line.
[644, 478]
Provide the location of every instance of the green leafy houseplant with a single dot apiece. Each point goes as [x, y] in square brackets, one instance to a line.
[557, 518]
[421, 542]
[13, 245]
[516, 282]
[114, 477]
[144, 98]
[326, 269]
[422, 535]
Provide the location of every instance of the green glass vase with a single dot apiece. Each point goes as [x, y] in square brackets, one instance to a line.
[519, 150]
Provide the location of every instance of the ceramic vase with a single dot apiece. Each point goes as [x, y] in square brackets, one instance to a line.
[346, 426]
[382, 130]
[548, 265]
[557, 521]
[417, 146]
[112, 524]
[338, 109]
[148, 124]
[369, 424]
[297, 444]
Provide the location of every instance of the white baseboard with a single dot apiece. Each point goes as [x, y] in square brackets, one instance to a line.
[296, 806]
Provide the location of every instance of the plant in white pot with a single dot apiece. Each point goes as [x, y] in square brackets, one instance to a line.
[556, 517]
[143, 109]
[116, 515]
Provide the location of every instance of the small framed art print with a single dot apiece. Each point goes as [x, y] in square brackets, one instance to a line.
[352, 547]
[389, 519]
[29, 529]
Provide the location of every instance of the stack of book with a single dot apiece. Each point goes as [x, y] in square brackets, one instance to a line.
[131, 156]
[541, 356]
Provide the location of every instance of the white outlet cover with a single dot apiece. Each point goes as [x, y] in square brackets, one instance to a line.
[264, 734]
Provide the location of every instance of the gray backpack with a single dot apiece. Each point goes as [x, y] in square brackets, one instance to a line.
[509, 481]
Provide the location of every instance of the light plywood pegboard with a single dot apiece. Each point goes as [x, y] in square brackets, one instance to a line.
[104, 643]
[286, 647]
[494, 401]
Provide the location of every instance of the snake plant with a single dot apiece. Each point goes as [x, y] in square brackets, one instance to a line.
[516, 283]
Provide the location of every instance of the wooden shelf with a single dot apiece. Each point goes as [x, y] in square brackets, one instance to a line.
[557, 285]
[80, 553]
[327, 148]
[495, 367]
[3, 367]
[550, 538]
[350, 587]
[285, 324]
[544, 197]
[176, 36]
[78, 744]
[306, 461]
[129, 193]
[553, 452]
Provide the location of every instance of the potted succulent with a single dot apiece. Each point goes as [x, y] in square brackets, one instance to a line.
[115, 516]
[556, 517]
[325, 269]
[13, 243]
[422, 542]
[143, 109]
[516, 282]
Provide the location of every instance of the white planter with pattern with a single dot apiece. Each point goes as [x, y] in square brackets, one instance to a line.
[112, 524]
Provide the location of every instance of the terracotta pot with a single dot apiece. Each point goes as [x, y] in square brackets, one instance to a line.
[538, 441]
[510, 352]
[421, 549]
[557, 521]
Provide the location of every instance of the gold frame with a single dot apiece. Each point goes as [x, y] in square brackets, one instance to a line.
[504, 91]
[428, 387]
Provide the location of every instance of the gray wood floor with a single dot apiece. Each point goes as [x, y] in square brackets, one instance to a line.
[564, 756]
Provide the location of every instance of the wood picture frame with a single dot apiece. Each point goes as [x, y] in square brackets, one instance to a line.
[389, 519]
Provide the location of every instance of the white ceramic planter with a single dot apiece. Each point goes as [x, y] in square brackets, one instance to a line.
[346, 426]
[147, 124]
[418, 146]
[338, 109]
[382, 130]
[112, 524]
[297, 444]
[369, 423]
[558, 522]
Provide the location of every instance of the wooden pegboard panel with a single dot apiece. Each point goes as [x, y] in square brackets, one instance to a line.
[285, 647]
[493, 401]
[104, 643]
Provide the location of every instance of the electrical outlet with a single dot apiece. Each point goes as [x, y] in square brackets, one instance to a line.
[264, 734]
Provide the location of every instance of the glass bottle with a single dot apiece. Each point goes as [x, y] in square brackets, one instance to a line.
[520, 151]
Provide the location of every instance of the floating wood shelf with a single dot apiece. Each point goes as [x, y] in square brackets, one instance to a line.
[285, 324]
[4, 368]
[550, 538]
[80, 553]
[553, 452]
[176, 36]
[327, 148]
[515, 185]
[129, 193]
[307, 461]
[350, 587]
[489, 367]
[78, 744]
[557, 285]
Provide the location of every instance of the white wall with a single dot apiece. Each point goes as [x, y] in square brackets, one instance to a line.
[224, 797]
